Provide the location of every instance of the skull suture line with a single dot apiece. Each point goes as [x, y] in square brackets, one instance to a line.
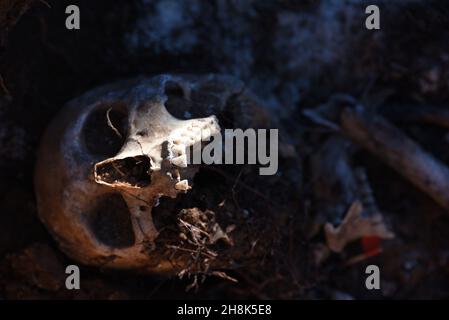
[117, 149]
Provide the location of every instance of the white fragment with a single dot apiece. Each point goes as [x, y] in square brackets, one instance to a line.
[182, 185]
[180, 161]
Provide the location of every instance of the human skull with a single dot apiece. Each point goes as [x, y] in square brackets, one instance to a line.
[118, 149]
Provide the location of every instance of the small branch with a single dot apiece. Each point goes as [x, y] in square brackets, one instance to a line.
[429, 115]
[45, 3]
[111, 125]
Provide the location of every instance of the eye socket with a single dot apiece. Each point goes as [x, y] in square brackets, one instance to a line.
[105, 130]
[177, 103]
[110, 221]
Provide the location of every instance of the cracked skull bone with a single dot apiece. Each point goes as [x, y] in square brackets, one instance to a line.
[118, 140]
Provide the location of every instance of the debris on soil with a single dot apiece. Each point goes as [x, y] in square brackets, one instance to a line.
[355, 226]
[199, 233]
[39, 266]
[10, 13]
[201, 228]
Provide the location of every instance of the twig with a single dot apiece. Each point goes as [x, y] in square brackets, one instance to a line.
[111, 125]
[246, 187]
[207, 254]
[117, 168]
[45, 3]
[429, 115]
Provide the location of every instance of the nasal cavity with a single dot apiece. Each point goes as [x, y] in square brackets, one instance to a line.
[131, 171]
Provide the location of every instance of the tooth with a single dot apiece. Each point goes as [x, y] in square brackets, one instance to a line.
[182, 185]
[187, 141]
[194, 127]
[215, 128]
[192, 141]
[179, 149]
[196, 131]
[205, 134]
[180, 161]
[177, 140]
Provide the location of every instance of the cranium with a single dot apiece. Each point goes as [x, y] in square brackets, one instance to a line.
[118, 149]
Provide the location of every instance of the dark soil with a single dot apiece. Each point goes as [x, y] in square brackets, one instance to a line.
[294, 55]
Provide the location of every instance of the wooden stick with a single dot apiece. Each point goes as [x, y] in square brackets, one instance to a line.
[387, 142]
[429, 115]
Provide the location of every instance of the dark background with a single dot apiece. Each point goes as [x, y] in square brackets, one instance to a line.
[293, 55]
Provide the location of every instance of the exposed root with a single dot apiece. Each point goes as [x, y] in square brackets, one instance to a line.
[198, 233]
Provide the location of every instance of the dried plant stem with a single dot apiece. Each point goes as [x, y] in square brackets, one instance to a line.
[437, 116]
